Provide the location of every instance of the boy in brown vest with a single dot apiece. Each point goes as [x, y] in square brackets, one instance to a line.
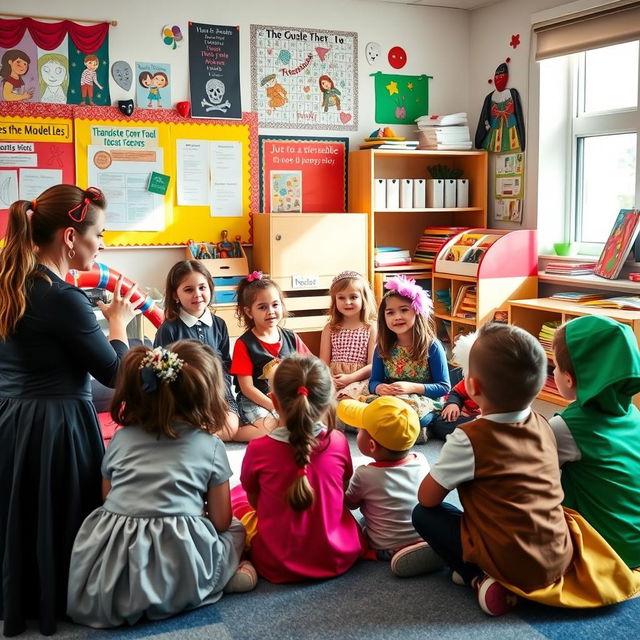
[504, 464]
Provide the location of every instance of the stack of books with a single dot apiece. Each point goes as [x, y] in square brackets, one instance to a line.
[570, 268]
[389, 143]
[444, 132]
[547, 331]
[432, 240]
[575, 296]
[443, 300]
[391, 257]
[619, 302]
[466, 302]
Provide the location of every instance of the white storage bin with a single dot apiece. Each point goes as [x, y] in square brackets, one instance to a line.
[406, 193]
[393, 193]
[380, 193]
[419, 193]
[450, 188]
[462, 192]
[435, 194]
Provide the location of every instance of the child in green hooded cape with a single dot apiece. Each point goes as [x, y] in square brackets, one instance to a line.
[598, 434]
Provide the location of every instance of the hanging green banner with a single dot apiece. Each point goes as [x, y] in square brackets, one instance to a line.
[401, 99]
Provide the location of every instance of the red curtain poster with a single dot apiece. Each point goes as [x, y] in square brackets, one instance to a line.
[303, 174]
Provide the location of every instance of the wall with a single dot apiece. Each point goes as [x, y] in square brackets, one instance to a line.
[436, 41]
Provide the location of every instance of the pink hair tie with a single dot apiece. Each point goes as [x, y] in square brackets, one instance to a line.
[302, 391]
[254, 275]
[302, 472]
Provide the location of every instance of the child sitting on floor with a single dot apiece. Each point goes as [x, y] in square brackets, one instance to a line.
[458, 407]
[155, 548]
[514, 536]
[298, 526]
[598, 369]
[386, 490]
[409, 361]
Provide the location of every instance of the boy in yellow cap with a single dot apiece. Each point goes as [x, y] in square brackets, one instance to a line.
[386, 490]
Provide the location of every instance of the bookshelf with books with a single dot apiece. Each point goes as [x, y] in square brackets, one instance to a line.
[403, 228]
[476, 273]
[539, 316]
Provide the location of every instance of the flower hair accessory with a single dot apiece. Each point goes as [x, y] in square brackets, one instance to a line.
[407, 288]
[159, 364]
[346, 275]
[254, 275]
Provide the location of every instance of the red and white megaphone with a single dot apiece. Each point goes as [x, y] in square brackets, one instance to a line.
[102, 277]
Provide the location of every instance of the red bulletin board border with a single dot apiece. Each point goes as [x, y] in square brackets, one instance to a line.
[332, 198]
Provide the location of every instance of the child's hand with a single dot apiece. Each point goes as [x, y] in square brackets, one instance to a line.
[384, 390]
[341, 380]
[451, 412]
[398, 388]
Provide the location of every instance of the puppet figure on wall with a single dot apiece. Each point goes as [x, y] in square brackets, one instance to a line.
[501, 124]
[330, 95]
[53, 70]
[15, 63]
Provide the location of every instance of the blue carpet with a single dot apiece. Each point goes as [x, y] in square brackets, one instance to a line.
[370, 603]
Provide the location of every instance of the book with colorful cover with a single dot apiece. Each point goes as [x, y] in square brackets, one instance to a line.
[618, 244]
[575, 296]
[619, 302]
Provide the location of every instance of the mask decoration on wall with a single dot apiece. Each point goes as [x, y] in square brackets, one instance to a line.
[125, 107]
[372, 51]
[501, 124]
[397, 57]
[184, 108]
[122, 74]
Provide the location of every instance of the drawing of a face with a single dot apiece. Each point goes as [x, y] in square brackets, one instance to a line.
[91, 64]
[53, 73]
[325, 84]
[146, 79]
[18, 67]
[160, 81]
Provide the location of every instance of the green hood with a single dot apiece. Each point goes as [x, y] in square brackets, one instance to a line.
[605, 358]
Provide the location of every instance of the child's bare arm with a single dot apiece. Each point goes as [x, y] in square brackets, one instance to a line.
[106, 487]
[325, 345]
[430, 493]
[219, 506]
[252, 393]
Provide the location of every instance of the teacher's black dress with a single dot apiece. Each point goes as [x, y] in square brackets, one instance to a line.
[50, 446]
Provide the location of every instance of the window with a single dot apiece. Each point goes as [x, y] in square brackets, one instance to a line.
[588, 170]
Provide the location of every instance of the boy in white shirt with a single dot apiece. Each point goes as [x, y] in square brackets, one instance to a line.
[386, 490]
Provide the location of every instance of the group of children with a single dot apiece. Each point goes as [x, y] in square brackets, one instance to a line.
[169, 510]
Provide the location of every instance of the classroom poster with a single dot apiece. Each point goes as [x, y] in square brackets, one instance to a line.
[153, 85]
[36, 152]
[303, 174]
[214, 71]
[55, 62]
[400, 99]
[304, 78]
[509, 186]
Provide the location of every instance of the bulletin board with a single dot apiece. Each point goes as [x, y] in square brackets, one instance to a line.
[182, 223]
[34, 139]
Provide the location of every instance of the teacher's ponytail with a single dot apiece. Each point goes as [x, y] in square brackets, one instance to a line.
[17, 262]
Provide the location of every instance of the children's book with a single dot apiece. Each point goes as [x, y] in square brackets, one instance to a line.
[620, 302]
[620, 241]
[576, 296]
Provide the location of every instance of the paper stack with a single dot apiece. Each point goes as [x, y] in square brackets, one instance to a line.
[570, 268]
[391, 257]
[432, 240]
[444, 132]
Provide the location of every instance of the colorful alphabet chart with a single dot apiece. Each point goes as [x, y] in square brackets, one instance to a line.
[304, 78]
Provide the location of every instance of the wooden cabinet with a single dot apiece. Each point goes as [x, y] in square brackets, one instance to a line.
[507, 270]
[531, 314]
[403, 227]
[303, 252]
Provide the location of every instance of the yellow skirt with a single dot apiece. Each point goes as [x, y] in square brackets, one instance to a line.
[597, 577]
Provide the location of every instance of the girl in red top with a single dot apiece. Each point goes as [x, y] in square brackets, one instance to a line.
[260, 349]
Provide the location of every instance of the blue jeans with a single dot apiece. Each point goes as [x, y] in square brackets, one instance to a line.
[440, 527]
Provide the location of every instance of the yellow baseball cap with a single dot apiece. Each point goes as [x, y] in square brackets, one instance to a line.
[390, 421]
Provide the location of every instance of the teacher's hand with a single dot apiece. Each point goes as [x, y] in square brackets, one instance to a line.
[120, 311]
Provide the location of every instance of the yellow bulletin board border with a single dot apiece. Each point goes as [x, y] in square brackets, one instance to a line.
[182, 223]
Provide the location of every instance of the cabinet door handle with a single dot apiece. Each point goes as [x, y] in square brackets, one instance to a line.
[278, 236]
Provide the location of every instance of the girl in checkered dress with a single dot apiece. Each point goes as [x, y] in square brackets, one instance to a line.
[349, 338]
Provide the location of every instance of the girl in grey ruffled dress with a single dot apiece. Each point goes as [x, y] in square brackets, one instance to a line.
[164, 541]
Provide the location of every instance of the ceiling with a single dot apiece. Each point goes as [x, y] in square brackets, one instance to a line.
[454, 4]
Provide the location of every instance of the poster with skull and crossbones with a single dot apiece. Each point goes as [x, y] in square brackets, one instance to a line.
[214, 72]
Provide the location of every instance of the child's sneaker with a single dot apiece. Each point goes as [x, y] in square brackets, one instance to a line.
[493, 598]
[415, 560]
[244, 579]
[456, 578]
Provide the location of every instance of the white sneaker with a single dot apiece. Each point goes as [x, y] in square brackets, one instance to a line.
[415, 560]
[493, 598]
[244, 579]
[456, 578]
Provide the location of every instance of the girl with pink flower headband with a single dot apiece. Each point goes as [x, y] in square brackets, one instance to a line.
[259, 350]
[409, 361]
